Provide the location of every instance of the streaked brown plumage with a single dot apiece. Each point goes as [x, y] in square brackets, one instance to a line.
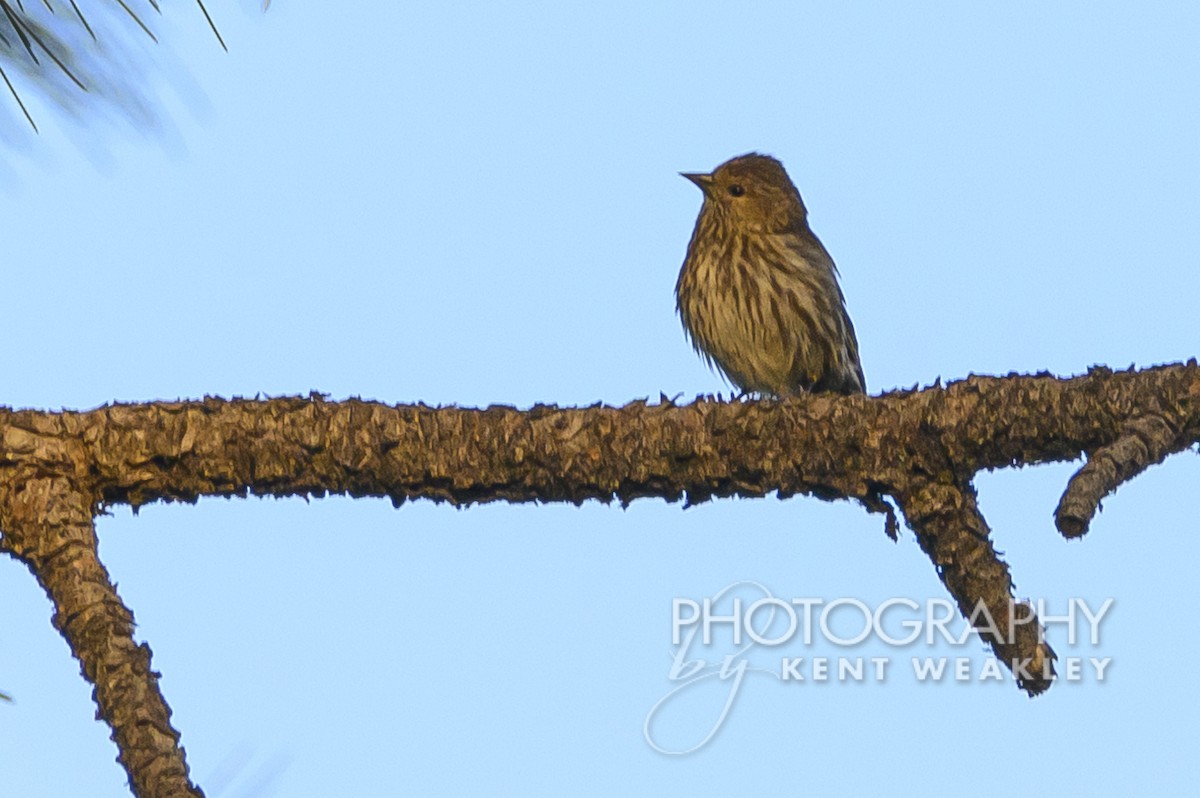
[758, 293]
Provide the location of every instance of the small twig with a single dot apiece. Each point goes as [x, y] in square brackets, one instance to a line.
[1144, 442]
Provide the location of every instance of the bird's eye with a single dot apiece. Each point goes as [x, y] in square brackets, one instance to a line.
[737, 190]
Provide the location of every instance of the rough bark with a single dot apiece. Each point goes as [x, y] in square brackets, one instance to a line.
[48, 525]
[921, 449]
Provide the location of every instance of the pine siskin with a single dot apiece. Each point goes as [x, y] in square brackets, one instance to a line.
[758, 293]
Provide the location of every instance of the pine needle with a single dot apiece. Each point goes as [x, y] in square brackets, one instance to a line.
[25, 111]
[211, 25]
[138, 20]
[83, 19]
[50, 53]
[15, 21]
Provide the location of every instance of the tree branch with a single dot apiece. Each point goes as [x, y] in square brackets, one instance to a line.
[1143, 442]
[48, 525]
[954, 534]
[921, 449]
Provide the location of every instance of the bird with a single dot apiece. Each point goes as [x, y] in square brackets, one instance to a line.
[758, 293]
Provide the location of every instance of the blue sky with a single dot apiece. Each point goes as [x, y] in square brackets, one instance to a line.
[474, 203]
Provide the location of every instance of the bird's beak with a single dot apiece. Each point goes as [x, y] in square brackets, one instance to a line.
[700, 179]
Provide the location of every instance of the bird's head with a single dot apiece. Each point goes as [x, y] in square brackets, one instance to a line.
[754, 193]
